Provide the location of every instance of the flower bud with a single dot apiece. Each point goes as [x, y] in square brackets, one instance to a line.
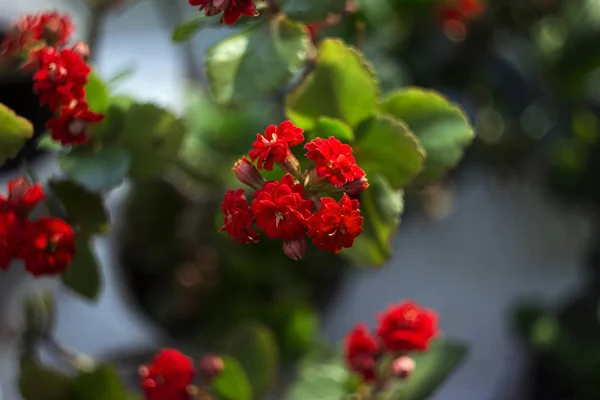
[355, 187]
[403, 367]
[214, 7]
[247, 173]
[314, 179]
[82, 49]
[211, 366]
[295, 248]
[291, 165]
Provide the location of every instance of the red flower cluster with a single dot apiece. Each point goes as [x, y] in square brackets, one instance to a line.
[283, 209]
[232, 9]
[60, 74]
[457, 14]
[402, 328]
[30, 30]
[171, 373]
[46, 246]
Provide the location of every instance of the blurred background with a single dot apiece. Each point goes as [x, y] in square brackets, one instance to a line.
[505, 248]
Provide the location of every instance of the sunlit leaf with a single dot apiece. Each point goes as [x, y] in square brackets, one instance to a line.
[232, 383]
[14, 132]
[256, 61]
[342, 85]
[387, 147]
[441, 126]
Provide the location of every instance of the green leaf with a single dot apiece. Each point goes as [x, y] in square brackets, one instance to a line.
[14, 131]
[152, 137]
[311, 10]
[185, 30]
[83, 275]
[47, 143]
[327, 127]
[342, 85]
[257, 60]
[321, 376]
[100, 170]
[37, 382]
[381, 207]
[232, 383]
[255, 347]
[441, 127]
[96, 93]
[101, 384]
[300, 330]
[432, 369]
[386, 146]
[110, 129]
[84, 208]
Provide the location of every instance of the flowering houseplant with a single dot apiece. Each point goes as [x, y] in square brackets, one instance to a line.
[328, 177]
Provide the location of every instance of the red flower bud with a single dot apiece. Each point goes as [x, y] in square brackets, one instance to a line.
[355, 187]
[291, 165]
[247, 173]
[211, 366]
[295, 248]
[403, 367]
[82, 49]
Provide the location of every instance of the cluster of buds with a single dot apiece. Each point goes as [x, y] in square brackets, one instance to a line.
[171, 374]
[403, 328]
[60, 73]
[294, 207]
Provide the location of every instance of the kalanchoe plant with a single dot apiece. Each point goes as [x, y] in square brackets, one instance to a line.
[334, 171]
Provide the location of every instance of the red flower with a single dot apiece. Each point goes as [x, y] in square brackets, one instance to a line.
[334, 161]
[49, 246]
[168, 376]
[335, 225]
[61, 76]
[274, 146]
[407, 326]
[51, 27]
[70, 126]
[360, 351]
[23, 197]
[7, 248]
[54, 28]
[281, 209]
[232, 9]
[238, 219]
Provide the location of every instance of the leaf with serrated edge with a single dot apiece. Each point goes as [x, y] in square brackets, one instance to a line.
[441, 126]
[342, 85]
[386, 146]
